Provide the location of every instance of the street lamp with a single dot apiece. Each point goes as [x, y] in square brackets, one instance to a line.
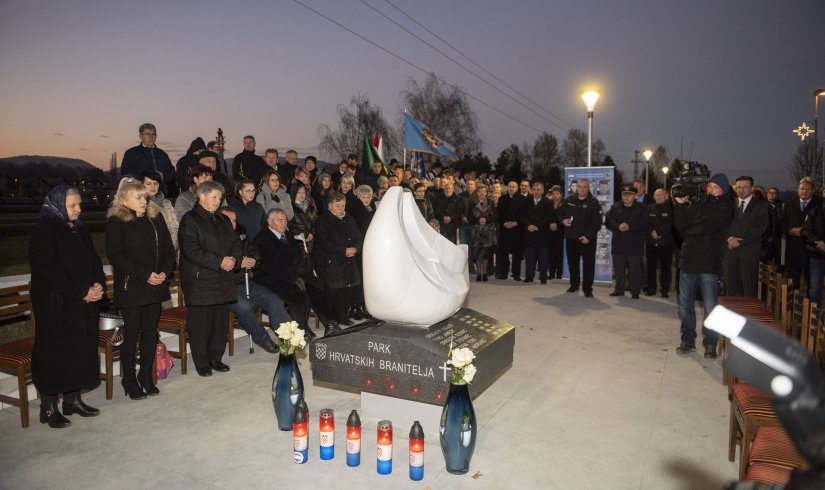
[665, 170]
[817, 93]
[590, 97]
[647, 154]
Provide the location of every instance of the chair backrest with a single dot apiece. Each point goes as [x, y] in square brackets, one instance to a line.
[16, 305]
[763, 278]
[776, 299]
[798, 318]
[175, 287]
[815, 336]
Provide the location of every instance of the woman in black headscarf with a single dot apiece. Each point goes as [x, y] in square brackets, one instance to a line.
[66, 284]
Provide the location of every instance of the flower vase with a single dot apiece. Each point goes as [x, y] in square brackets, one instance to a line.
[287, 389]
[458, 429]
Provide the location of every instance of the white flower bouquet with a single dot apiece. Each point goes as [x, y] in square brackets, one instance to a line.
[290, 338]
[461, 360]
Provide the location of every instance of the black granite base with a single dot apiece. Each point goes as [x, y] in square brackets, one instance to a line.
[410, 362]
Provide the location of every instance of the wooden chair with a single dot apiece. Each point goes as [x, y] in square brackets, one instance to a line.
[174, 320]
[773, 456]
[16, 356]
[813, 336]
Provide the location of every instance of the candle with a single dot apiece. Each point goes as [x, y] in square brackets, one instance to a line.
[300, 436]
[353, 439]
[326, 425]
[384, 451]
[416, 452]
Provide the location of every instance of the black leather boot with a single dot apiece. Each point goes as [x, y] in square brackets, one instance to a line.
[49, 414]
[145, 380]
[72, 403]
[131, 386]
[331, 328]
[355, 313]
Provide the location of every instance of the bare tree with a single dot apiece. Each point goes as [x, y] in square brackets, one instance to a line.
[545, 157]
[446, 110]
[356, 119]
[574, 149]
[806, 162]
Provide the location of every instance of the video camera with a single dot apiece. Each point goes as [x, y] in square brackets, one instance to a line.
[690, 179]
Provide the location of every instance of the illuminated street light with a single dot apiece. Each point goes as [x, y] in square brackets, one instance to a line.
[647, 154]
[665, 170]
[590, 97]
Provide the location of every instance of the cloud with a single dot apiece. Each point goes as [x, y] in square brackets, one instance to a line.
[58, 134]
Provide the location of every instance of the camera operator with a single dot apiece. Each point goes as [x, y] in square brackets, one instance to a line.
[703, 224]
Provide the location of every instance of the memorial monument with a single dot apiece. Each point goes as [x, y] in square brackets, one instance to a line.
[415, 283]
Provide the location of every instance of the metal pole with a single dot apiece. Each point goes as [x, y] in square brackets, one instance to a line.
[647, 177]
[816, 137]
[589, 137]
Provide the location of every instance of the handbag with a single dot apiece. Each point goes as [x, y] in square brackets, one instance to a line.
[164, 360]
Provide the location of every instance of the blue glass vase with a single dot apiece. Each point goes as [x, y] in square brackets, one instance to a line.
[458, 429]
[287, 389]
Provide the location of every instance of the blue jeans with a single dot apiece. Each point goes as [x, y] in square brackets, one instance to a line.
[689, 284]
[244, 309]
[817, 274]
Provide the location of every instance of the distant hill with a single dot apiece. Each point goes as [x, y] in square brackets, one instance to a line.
[30, 165]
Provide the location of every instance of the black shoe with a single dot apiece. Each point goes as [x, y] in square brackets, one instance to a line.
[650, 293]
[528, 279]
[543, 281]
[516, 278]
[685, 349]
[331, 328]
[270, 346]
[499, 276]
[634, 296]
[665, 295]
[204, 372]
[572, 289]
[478, 277]
[52, 416]
[355, 313]
[616, 293]
[131, 386]
[345, 323]
[484, 278]
[710, 352]
[218, 366]
[79, 408]
[148, 384]
[588, 294]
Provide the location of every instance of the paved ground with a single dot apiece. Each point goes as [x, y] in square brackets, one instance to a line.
[596, 399]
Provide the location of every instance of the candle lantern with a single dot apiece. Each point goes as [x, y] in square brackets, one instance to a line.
[416, 452]
[384, 451]
[326, 424]
[300, 436]
[353, 439]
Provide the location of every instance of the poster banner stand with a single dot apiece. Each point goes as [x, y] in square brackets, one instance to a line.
[601, 186]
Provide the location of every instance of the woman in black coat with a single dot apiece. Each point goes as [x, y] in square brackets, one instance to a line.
[142, 255]
[66, 284]
[210, 253]
[362, 212]
[337, 241]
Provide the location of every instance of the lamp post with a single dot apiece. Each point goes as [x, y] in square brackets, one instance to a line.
[590, 97]
[665, 170]
[817, 93]
[647, 154]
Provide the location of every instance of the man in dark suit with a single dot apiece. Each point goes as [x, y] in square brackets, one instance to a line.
[279, 268]
[536, 214]
[510, 233]
[793, 216]
[743, 247]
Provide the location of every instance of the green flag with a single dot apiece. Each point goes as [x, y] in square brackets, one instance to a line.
[369, 155]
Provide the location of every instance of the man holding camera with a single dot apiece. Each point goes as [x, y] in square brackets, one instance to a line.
[703, 223]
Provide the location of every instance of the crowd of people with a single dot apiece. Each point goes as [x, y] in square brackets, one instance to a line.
[287, 238]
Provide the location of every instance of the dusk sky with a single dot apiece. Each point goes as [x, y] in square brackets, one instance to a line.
[724, 82]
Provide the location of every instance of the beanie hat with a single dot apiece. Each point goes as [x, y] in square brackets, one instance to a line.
[721, 180]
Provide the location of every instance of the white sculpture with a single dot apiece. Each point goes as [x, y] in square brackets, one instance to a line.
[412, 274]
